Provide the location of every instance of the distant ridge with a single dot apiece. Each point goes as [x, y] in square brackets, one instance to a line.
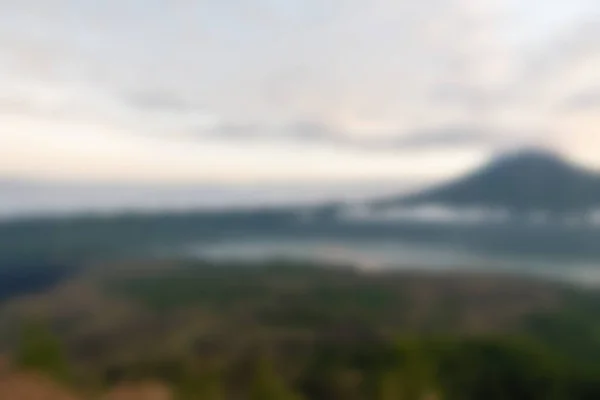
[524, 181]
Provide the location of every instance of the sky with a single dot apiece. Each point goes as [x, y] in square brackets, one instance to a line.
[294, 91]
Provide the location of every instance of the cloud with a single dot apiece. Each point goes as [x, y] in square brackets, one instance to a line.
[302, 132]
[448, 137]
[305, 132]
[587, 100]
[158, 101]
[351, 76]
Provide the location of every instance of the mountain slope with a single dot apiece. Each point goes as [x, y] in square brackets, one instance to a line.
[521, 182]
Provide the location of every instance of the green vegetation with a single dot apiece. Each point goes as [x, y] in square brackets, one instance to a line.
[294, 331]
[40, 350]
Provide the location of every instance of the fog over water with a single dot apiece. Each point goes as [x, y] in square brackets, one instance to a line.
[467, 215]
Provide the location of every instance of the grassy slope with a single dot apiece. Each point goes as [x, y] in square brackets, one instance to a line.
[324, 333]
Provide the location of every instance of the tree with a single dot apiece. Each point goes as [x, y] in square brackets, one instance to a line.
[267, 385]
[40, 350]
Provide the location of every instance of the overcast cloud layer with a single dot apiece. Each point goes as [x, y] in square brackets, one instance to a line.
[292, 90]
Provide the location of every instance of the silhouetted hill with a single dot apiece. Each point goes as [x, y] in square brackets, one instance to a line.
[520, 182]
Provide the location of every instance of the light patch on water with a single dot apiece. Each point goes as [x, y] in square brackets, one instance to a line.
[436, 213]
[584, 275]
[430, 213]
[595, 218]
[383, 255]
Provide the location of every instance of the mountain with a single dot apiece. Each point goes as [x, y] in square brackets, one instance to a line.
[525, 181]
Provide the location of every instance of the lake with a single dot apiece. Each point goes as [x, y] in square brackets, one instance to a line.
[372, 255]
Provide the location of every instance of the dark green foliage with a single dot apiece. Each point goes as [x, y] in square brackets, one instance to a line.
[280, 294]
[180, 289]
[267, 384]
[419, 368]
[357, 350]
[497, 369]
[40, 350]
[198, 384]
[291, 330]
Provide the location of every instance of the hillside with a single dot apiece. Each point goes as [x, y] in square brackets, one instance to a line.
[283, 331]
[522, 182]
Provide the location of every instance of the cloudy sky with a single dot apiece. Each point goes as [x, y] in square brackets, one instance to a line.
[244, 91]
